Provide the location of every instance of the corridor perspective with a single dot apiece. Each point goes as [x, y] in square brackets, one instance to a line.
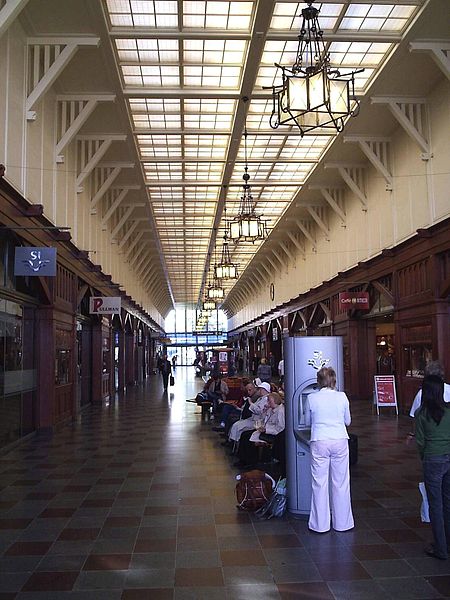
[136, 501]
[223, 189]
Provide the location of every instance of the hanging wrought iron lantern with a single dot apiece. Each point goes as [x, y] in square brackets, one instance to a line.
[247, 226]
[313, 94]
[225, 269]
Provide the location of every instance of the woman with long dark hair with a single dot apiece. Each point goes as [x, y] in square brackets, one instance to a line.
[433, 441]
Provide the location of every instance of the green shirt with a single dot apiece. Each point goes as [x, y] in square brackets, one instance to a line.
[432, 439]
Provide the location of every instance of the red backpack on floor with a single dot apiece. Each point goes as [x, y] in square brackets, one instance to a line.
[253, 489]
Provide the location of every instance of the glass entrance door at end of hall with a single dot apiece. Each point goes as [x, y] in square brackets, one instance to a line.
[185, 354]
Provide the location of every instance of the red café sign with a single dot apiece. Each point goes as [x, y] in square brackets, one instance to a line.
[350, 300]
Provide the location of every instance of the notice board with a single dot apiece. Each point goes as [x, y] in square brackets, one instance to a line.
[385, 393]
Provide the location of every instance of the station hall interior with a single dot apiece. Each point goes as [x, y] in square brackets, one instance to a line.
[162, 193]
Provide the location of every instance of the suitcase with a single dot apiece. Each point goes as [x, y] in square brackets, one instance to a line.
[353, 448]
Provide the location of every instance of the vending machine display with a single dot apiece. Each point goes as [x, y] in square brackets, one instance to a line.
[303, 357]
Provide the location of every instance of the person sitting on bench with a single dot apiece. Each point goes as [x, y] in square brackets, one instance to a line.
[217, 391]
[271, 423]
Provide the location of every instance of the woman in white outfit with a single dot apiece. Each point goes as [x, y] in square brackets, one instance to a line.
[329, 414]
[256, 408]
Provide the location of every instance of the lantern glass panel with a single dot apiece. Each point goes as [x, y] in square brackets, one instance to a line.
[338, 96]
[253, 228]
[296, 100]
[317, 93]
[234, 230]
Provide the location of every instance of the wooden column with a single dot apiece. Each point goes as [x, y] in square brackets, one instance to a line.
[97, 361]
[45, 361]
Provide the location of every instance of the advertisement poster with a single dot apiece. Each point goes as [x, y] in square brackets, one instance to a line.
[385, 391]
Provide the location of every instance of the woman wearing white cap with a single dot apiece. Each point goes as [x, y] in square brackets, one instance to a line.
[256, 407]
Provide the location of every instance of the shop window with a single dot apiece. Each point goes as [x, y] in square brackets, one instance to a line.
[106, 355]
[63, 357]
[415, 359]
[385, 355]
[17, 375]
[62, 367]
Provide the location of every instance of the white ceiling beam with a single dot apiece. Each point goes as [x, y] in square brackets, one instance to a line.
[296, 243]
[104, 188]
[320, 222]
[274, 265]
[266, 269]
[303, 228]
[114, 206]
[331, 195]
[438, 50]
[285, 249]
[376, 150]
[353, 175]
[10, 12]
[187, 184]
[129, 233]
[135, 241]
[411, 115]
[137, 255]
[122, 221]
[143, 261]
[280, 258]
[67, 106]
[93, 161]
[41, 53]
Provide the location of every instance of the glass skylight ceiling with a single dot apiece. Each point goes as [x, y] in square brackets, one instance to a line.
[185, 67]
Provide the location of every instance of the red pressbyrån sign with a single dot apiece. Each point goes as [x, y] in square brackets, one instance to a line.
[359, 300]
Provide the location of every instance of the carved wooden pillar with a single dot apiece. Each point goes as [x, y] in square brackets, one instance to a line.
[45, 349]
[97, 360]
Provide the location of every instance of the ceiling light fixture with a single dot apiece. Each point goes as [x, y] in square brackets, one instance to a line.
[312, 93]
[215, 290]
[225, 269]
[247, 226]
[209, 305]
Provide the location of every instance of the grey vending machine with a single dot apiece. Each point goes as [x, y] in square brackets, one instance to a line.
[303, 357]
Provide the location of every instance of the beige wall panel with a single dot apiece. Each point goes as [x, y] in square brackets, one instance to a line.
[16, 105]
[4, 84]
[33, 172]
[48, 165]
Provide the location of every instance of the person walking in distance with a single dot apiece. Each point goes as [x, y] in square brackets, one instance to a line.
[166, 370]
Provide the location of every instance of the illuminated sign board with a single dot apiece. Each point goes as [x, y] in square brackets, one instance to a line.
[358, 300]
[34, 261]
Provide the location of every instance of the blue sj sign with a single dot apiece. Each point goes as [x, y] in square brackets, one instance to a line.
[31, 261]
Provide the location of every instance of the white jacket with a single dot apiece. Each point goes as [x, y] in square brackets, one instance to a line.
[274, 422]
[258, 407]
[328, 412]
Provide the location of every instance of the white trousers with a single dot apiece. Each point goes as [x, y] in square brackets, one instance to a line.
[240, 426]
[330, 465]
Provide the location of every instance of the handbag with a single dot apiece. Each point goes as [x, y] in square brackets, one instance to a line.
[269, 438]
[172, 380]
[425, 507]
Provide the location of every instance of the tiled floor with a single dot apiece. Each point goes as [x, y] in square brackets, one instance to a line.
[136, 501]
